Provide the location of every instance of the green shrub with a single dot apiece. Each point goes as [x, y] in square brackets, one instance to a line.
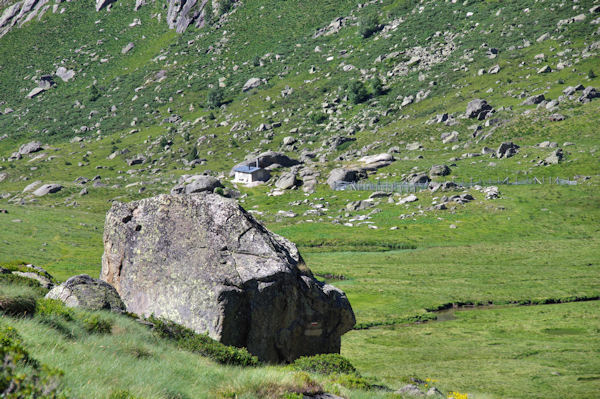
[376, 86]
[318, 117]
[357, 92]
[214, 98]
[202, 344]
[54, 307]
[327, 363]
[368, 25]
[591, 74]
[225, 6]
[352, 381]
[193, 154]
[94, 93]
[96, 324]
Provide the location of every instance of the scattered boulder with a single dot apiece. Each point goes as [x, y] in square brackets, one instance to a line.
[345, 175]
[478, 109]
[47, 189]
[204, 262]
[127, 48]
[414, 146]
[534, 100]
[286, 181]
[377, 161]
[83, 291]
[65, 74]
[544, 69]
[100, 4]
[449, 137]
[555, 158]
[359, 205]
[418, 178]
[38, 274]
[410, 390]
[507, 150]
[196, 184]
[439, 170]
[30, 148]
[407, 199]
[252, 83]
[444, 186]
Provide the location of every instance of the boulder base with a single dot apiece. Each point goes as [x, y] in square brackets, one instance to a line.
[203, 262]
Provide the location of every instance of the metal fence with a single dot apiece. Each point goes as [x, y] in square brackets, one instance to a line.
[404, 187]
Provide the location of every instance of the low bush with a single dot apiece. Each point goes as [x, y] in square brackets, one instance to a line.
[318, 117]
[53, 307]
[96, 324]
[203, 344]
[328, 363]
[352, 381]
[368, 25]
[357, 92]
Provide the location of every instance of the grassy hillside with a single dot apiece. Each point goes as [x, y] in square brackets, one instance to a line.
[380, 78]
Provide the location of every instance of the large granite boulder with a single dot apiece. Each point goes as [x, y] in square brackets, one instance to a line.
[83, 291]
[204, 262]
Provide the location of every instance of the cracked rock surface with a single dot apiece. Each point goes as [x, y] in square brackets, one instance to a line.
[202, 261]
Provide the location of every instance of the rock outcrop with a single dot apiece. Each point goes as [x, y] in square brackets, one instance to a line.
[183, 13]
[204, 262]
[82, 291]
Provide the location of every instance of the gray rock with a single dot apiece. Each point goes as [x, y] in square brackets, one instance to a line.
[533, 100]
[449, 137]
[31, 186]
[544, 69]
[127, 48]
[345, 175]
[478, 109]
[31, 147]
[82, 291]
[433, 392]
[414, 146]
[183, 13]
[555, 158]
[589, 93]
[251, 83]
[439, 170]
[204, 262]
[47, 189]
[507, 150]
[286, 181]
[407, 199]
[37, 273]
[377, 161]
[65, 74]
[197, 184]
[556, 117]
[359, 205]
[379, 194]
[100, 4]
[410, 390]
[418, 178]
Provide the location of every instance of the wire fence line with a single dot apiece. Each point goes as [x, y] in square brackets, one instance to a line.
[404, 187]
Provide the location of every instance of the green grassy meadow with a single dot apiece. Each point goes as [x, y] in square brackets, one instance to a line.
[491, 299]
